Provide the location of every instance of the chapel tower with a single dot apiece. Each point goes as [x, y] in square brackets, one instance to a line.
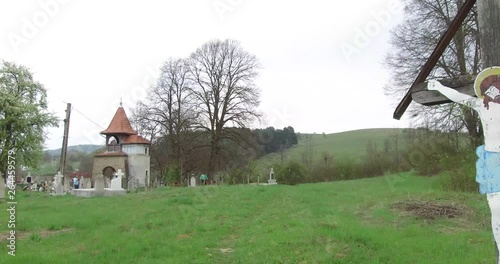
[125, 150]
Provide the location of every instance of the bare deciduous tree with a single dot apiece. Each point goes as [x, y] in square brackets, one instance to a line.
[226, 96]
[414, 40]
[168, 110]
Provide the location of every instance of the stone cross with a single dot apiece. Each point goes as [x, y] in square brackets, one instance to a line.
[89, 184]
[83, 183]
[116, 182]
[272, 180]
[107, 182]
[99, 183]
[119, 173]
[58, 187]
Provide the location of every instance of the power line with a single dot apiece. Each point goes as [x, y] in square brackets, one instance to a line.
[92, 121]
[88, 118]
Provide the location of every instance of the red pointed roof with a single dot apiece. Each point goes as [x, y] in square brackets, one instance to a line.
[135, 139]
[119, 124]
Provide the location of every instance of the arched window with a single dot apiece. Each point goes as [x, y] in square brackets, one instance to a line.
[113, 144]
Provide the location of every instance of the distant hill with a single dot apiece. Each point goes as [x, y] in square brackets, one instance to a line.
[343, 144]
[88, 148]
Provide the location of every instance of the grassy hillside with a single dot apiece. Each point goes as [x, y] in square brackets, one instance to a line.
[339, 222]
[51, 168]
[344, 144]
[85, 148]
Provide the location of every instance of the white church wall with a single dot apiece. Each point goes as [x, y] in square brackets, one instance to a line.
[139, 168]
[136, 149]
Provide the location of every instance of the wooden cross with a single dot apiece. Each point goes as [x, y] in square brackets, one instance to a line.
[488, 11]
[488, 16]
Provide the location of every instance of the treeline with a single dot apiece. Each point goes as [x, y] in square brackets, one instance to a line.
[275, 140]
[422, 151]
[233, 156]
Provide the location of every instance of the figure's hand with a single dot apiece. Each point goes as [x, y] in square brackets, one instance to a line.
[433, 85]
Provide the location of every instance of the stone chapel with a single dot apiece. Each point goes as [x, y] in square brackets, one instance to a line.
[125, 151]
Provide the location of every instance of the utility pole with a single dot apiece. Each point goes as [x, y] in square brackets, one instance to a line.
[64, 148]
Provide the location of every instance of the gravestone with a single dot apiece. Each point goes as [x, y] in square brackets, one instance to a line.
[57, 184]
[107, 182]
[67, 184]
[84, 183]
[192, 182]
[271, 180]
[99, 184]
[116, 182]
[130, 185]
[29, 179]
[88, 184]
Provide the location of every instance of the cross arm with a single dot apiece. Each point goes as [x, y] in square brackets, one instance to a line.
[463, 84]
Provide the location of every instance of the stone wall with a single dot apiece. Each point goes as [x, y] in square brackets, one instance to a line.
[116, 163]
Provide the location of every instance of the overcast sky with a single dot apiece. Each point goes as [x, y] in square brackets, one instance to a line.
[322, 60]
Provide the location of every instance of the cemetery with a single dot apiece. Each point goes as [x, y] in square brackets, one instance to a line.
[198, 163]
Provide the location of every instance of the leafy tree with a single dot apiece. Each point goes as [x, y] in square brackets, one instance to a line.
[23, 116]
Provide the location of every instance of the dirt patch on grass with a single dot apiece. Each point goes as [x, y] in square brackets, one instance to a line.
[430, 210]
[41, 234]
[183, 236]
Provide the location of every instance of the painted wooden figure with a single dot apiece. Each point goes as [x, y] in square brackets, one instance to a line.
[487, 105]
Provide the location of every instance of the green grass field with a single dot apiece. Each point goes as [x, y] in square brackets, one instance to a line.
[337, 222]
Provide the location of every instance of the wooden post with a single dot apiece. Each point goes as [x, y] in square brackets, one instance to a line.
[64, 148]
[488, 17]
[463, 84]
[436, 54]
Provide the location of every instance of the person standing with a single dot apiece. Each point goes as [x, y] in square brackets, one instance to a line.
[75, 182]
[203, 178]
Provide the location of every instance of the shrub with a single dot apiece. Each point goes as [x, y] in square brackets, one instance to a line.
[460, 172]
[172, 175]
[290, 173]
